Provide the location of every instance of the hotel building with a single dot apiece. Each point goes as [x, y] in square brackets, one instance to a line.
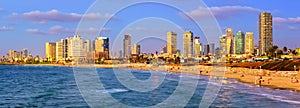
[240, 42]
[136, 50]
[249, 43]
[102, 48]
[188, 44]
[50, 51]
[171, 43]
[127, 46]
[197, 47]
[265, 32]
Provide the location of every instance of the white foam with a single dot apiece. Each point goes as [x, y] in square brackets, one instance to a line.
[112, 91]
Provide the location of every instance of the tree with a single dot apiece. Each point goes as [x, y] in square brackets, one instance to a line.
[284, 50]
[272, 50]
[294, 52]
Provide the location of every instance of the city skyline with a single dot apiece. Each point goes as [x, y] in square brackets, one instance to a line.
[18, 24]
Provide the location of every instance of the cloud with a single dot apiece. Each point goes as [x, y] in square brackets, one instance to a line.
[4, 28]
[36, 31]
[288, 24]
[136, 29]
[56, 16]
[60, 30]
[1, 10]
[279, 20]
[223, 12]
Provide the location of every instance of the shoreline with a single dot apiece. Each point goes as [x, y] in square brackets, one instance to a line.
[271, 79]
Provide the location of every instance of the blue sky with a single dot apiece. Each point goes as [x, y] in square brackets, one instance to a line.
[31, 23]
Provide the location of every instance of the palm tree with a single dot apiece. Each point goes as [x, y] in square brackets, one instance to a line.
[272, 50]
[284, 49]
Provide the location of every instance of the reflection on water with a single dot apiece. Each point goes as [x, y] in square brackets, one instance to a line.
[55, 87]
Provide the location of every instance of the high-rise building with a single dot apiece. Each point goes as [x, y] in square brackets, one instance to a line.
[50, 51]
[206, 50]
[171, 43]
[197, 47]
[265, 32]
[87, 45]
[59, 50]
[212, 49]
[188, 44]
[67, 48]
[136, 50]
[127, 46]
[102, 47]
[76, 50]
[230, 42]
[240, 42]
[222, 44]
[25, 53]
[249, 43]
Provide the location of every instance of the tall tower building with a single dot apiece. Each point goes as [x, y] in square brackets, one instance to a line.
[212, 49]
[222, 44]
[25, 53]
[197, 47]
[102, 47]
[136, 50]
[76, 50]
[240, 42]
[171, 43]
[127, 46]
[59, 50]
[249, 43]
[188, 44]
[230, 42]
[206, 49]
[265, 32]
[87, 45]
[50, 51]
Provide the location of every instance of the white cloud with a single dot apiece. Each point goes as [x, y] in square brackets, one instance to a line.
[35, 31]
[295, 20]
[222, 12]
[56, 16]
[4, 28]
[60, 30]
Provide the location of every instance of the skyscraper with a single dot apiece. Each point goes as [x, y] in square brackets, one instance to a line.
[136, 50]
[249, 43]
[59, 50]
[127, 46]
[230, 42]
[197, 47]
[206, 50]
[50, 51]
[188, 44]
[25, 53]
[87, 45]
[222, 44]
[265, 32]
[171, 43]
[240, 42]
[212, 49]
[102, 47]
[77, 51]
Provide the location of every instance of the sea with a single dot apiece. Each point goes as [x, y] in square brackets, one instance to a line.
[50, 86]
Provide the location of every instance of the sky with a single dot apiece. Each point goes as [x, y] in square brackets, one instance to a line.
[31, 23]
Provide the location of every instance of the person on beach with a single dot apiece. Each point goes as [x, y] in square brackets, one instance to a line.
[260, 80]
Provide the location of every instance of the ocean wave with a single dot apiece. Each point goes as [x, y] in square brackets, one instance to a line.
[276, 97]
[112, 91]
